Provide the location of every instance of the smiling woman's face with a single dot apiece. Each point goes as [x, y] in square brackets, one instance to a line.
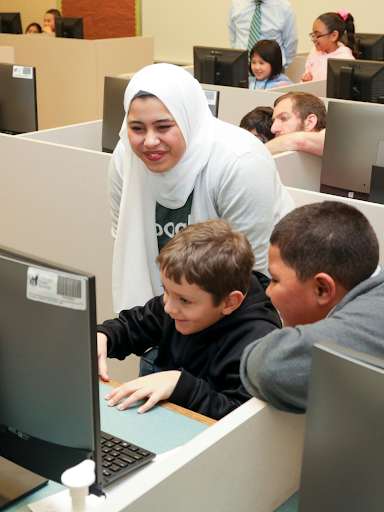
[154, 135]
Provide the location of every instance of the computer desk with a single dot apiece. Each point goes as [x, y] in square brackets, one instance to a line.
[161, 429]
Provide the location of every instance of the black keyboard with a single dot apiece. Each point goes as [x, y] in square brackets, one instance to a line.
[120, 457]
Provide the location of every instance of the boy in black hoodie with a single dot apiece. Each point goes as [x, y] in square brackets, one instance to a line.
[213, 307]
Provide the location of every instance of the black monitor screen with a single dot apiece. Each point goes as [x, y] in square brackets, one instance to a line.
[10, 23]
[18, 103]
[69, 27]
[359, 80]
[369, 46]
[221, 66]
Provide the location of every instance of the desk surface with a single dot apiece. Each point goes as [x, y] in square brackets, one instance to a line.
[161, 429]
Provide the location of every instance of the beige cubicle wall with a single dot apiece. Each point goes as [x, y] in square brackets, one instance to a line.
[7, 54]
[297, 68]
[249, 461]
[70, 72]
[55, 202]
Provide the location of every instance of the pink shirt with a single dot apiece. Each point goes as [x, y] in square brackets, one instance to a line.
[317, 61]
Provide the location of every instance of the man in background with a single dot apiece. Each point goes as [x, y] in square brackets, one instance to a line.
[299, 120]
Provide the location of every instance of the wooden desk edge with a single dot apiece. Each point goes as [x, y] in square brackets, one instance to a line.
[172, 407]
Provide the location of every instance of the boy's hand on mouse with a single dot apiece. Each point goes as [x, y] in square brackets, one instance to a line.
[307, 77]
[102, 341]
[157, 386]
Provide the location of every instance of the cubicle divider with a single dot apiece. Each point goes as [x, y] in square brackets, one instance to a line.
[250, 461]
[54, 202]
[70, 72]
[7, 54]
[297, 68]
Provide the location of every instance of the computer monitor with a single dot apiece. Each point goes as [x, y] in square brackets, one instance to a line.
[18, 101]
[49, 400]
[354, 142]
[113, 109]
[10, 23]
[359, 80]
[343, 463]
[69, 27]
[371, 46]
[221, 66]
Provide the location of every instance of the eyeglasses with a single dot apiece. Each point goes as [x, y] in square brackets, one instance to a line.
[312, 36]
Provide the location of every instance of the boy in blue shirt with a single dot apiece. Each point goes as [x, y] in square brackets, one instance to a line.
[213, 306]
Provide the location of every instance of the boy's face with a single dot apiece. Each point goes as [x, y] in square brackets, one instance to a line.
[190, 306]
[296, 301]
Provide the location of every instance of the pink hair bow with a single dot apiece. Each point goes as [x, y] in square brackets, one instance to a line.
[343, 14]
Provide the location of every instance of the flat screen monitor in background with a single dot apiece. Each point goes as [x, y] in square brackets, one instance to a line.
[343, 463]
[113, 110]
[371, 46]
[18, 103]
[49, 400]
[10, 23]
[69, 27]
[359, 80]
[354, 143]
[221, 66]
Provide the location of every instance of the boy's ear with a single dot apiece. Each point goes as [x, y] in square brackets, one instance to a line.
[232, 302]
[310, 122]
[325, 288]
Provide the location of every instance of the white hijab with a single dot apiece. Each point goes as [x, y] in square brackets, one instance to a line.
[135, 276]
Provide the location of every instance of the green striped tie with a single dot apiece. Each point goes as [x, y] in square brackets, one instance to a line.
[255, 29]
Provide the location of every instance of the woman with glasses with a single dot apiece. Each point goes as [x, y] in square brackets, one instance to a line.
[328, 29]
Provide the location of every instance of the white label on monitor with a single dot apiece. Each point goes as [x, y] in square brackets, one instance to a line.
[211, 97]
[56, 288]
[22, 72]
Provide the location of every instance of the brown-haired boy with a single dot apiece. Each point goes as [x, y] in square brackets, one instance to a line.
[327, 286]
[212, 308]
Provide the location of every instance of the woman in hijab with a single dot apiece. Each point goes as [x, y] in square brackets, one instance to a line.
[176, 164]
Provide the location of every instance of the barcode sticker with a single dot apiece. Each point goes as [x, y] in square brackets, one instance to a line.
[56, 288]
[22, 72]
[211, 97]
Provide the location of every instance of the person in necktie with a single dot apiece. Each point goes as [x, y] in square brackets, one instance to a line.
[253, 20]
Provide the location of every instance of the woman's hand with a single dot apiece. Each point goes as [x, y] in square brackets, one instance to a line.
[157, 386]
[307, 77]
[102, 341]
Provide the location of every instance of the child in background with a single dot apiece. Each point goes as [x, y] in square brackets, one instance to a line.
[266, 66]
[328, 29]
[259, 122]
[213, 306]
[33, 28]
[49, 20]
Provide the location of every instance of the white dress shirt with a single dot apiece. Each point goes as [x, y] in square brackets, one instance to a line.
[278, 22]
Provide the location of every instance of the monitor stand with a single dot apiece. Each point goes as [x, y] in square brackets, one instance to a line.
[17, 482]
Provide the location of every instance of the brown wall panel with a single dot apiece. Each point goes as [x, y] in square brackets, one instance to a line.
[103, 19]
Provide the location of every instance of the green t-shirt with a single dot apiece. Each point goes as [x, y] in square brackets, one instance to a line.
[169, 222]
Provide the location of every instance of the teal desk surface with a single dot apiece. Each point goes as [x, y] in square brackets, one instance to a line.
[158, 430]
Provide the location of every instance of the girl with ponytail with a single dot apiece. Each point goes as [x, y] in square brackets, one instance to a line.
[328, 29]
